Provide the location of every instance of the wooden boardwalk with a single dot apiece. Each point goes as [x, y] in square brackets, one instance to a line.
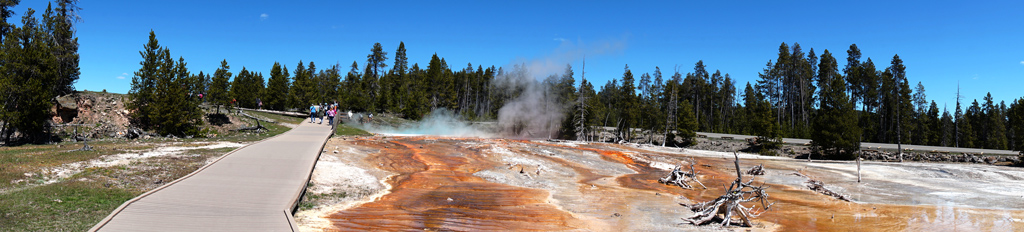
[254, 188]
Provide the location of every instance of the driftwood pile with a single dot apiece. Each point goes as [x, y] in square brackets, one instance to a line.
[730, 204]
[756, 170]
[679, 178]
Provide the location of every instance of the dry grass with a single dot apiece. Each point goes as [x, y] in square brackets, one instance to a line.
[31, 199]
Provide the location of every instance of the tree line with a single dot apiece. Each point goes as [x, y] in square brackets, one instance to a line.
[797, 95]
[38, 62]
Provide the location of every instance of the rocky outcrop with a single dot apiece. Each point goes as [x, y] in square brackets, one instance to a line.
[94, 115]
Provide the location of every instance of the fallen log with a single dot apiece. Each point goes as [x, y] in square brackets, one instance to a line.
[256, 128]
[252, 128]
[730, 203]
[819, 187]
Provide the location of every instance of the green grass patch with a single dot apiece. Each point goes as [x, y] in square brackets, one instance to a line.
[67, 206]
[18, 160]
[73, 205]
[277, 117]
[345, 130]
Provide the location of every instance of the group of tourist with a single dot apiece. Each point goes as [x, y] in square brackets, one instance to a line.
[323, 110]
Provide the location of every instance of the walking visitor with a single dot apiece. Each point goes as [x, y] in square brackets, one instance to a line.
[312, 113]
[330, 116]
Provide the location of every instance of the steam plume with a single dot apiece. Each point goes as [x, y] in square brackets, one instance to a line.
[438, 122]
[535, 112]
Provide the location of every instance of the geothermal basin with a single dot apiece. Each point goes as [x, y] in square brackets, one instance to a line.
[394, 183]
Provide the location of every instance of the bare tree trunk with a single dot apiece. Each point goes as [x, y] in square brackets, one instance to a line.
[858, 168]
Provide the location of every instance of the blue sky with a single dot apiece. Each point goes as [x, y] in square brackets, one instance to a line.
[976, 43]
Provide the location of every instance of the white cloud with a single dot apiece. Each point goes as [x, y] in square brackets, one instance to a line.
[264, 16]
[563, 40]
[1022, 62]
[122, 76]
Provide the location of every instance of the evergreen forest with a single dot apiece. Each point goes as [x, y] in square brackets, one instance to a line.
[798, 94]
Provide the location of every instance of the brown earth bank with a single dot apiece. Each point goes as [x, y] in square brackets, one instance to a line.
[446, 183]
[102, 116]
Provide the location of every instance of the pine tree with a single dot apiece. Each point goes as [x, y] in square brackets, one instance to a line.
[300, 88]
[437, 84]
[246, 89]
[971, 125]
[312, 93]
[627, 106]
[62, 45]
[165, 89]
[143, 88]
[199, 84]
[947, 129]
[276, 96]
[1015, 114]
[727, 99]
[835, 132]
[995, 131]
[400, 84]
[870, 85]
[934, 125]
[564, 90]
[331, 82]
[854, 73]
[905, 110]
[657, 105]
[353, 89]
[375, 62]
[28, 75]
[219, 85]
[761, 119]
[369, 85]
[176, 113]
[686, 128]
[5, 13]
[401, 60]
[164, 93]
[920, 129]
[417, 101]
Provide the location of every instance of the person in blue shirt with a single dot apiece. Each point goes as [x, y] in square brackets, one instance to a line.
[312, 113]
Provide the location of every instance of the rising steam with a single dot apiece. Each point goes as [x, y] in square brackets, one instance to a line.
[533, 112]
[438, 122]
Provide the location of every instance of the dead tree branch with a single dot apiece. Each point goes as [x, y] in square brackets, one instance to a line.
[680, 178]
[819, 187]
[730, 204]
[756, 170]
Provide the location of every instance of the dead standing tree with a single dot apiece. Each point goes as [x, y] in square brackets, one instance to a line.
[730, 204]
[581, 121]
